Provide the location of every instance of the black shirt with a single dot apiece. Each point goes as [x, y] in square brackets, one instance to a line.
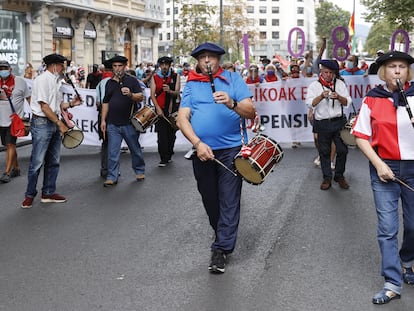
[120, 106]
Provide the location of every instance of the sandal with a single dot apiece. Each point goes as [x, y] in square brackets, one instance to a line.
[385, 296]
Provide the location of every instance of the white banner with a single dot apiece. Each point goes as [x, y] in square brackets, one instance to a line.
[280, 105]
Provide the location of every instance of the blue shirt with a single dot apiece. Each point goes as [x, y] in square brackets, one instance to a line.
[215, 124]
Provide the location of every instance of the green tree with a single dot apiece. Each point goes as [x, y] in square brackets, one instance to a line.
[379, 37]
[329, 16]
[395, 12]
[193, 26]
[235, 24]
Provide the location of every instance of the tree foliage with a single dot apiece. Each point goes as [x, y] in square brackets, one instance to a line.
[328, 17]
[395, 12]
[197, 23]
[194, 25]
[379, 37]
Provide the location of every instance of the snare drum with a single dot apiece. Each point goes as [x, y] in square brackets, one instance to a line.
[72, 138]
[144, 118]
[265, 154]
[346, 135]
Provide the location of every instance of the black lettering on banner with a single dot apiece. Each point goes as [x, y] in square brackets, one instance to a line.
[285, 120]
[89, 101]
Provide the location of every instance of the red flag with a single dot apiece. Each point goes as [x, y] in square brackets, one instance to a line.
[351, 30]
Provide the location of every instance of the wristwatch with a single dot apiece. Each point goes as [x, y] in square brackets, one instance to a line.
[234, 105]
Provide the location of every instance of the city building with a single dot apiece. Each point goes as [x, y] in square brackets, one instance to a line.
[85, 31]
[283, 27]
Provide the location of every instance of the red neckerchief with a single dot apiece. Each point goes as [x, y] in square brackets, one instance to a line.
[7, 85]
[270, 78]
[329, 85]
[107, 74]
[353, 70]
[250, 81]
[195, 76]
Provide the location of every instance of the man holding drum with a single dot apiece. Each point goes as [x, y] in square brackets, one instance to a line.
[213, 102]
[46, 129]
[326, 97]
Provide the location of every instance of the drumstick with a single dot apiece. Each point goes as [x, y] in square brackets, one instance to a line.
[403, 183]
[166, 119]
[222, 164]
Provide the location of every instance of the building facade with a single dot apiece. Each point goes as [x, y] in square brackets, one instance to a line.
[272, 21]
[85, 31]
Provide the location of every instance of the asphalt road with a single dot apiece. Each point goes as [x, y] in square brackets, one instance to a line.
[145, 245]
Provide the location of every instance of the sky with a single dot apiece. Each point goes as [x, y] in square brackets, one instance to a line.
[347, 5]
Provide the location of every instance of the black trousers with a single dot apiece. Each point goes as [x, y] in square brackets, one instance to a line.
[166, 139]
[328, 132]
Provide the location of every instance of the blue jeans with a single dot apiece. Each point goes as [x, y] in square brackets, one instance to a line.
[386, 197]
[115, 135]
[46, 143]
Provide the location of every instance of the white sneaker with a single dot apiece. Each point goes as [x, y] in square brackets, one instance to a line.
[317, 162]
[332, 166]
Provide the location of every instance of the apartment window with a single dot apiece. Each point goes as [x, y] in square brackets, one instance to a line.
[275, 22]
[262, 22]
[168, 24]
[301, 22]
[175, 10]
[251, 22]
[301, 10]
[160, 37]
[262, 9]
[275, 9]
[250, 9]
[300, 0]
[262, 35]
[275, 34]
[168, 11]
[175, 35]
[168, 36]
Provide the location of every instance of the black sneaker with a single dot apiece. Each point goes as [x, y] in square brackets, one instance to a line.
[218, 261]
[14, 172]
[5, 178]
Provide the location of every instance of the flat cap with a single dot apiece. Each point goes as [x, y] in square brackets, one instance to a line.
[329, 63]
[165, 60]
[119, 59]
[4, 63]
[54, 59]
[208, 47]
[394, 55]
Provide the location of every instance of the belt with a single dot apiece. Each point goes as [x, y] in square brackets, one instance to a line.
[332, 119]
[36, 116]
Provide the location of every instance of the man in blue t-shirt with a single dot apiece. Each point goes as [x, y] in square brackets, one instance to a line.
[213, 102]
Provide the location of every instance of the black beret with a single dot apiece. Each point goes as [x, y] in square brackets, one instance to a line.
[329, 63]
[209, 47]
[394, 55]
[107, 64]
[54, 59]
[165, 60]
[119, 59]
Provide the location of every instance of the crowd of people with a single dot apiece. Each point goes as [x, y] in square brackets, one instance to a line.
[211, 102]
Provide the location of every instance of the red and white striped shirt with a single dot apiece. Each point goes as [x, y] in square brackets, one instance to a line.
[390, 130]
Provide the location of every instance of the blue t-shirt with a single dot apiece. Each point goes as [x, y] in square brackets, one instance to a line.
[215, 124]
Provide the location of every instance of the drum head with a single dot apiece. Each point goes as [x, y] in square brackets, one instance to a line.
[347, 137]
[247, 171]
[72, 138]
[138, 125]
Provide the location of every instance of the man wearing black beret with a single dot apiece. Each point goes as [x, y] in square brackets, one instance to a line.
[165, 90]
[46, 129]
[121, 94]
[326, 97]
